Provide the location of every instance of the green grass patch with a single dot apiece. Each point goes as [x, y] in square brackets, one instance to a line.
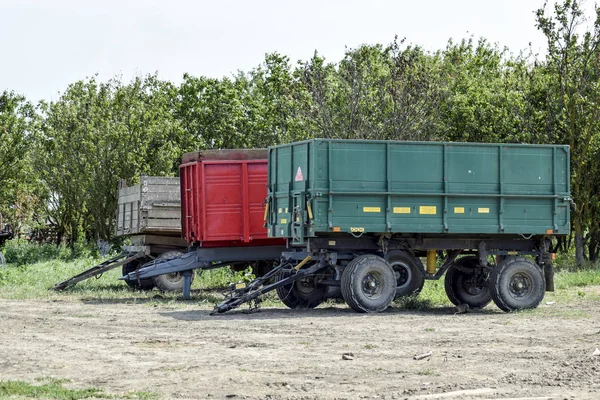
[587, 277]
[49, 388]
[21, 252]
[433, 295]
[36, 280]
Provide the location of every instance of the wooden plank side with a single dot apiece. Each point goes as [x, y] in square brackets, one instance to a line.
[159, 230]
[160, 188]
[159, 180]
[170, 205]
[158, 197]
[162, 192]
[153, 205]
[164, 213]
[162, 223]
[148, 239]
[129, 191]
[130, 198]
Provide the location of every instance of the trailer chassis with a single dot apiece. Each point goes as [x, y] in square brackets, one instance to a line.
[327, 251]
[204, 258]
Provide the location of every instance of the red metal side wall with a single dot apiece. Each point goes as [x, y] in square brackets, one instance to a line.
[222, 203]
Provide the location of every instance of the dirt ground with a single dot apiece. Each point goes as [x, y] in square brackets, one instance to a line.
[179, 351]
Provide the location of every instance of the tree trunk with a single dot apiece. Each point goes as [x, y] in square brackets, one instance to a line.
[579, 244]
[593, 246]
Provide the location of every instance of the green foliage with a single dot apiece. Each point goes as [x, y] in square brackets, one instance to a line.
[16, 130]
[20, 252]
[580, 278]
[61, 162]
[18, 182]
[53, 390]
[98, 133]
[220, 278]
[572, 68]
[35, 274]
[375, 92]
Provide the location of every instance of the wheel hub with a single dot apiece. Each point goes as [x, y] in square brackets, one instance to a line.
[473, 284]
[402, 272]
[306, 286]
[173, 277]
[520, 285]
[372, 283]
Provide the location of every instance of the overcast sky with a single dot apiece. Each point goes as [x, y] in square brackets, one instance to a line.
[48, 44]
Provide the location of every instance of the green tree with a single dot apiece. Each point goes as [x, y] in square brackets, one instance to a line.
[488, 91]
[573, 106]
[376, 92]
[98, 133]
[18, 121]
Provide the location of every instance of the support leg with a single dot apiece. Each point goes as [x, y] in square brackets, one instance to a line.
[187, 283]
[549, 274]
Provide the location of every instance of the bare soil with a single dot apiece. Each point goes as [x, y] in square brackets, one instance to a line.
[179, 351]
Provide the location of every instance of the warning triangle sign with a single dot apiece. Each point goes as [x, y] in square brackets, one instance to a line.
[299, 177]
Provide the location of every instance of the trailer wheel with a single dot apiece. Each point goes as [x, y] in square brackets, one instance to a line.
[137, 284]
[305, 292]
[466, 283]
[517, 284]
[409, 275]
[368, 284]
[169, 282]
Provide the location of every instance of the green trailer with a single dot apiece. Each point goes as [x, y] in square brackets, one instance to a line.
[490, 211]
[360, 216]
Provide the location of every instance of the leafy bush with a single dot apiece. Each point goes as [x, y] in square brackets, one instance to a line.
[20, 252]
[221, 277]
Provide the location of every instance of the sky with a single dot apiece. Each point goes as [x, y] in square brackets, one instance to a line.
[48, 44]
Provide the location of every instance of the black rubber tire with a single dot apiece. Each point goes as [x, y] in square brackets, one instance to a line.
[517, 284]
[170, 282]
[260, 268]
[409, 273]
[138, 284]
[357, 277]
[303, 293]
[461, 290]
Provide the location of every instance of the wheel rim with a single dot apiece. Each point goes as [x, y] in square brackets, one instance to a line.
[372, 284]
[469, 284]
[520, 285]
[403, 273]
[173, 277]
[306, 286]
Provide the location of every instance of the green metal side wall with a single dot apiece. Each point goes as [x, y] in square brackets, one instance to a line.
[417, 187]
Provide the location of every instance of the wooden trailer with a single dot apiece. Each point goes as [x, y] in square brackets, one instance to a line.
[149, 214]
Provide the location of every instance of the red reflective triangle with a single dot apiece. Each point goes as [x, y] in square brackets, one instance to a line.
[299, 177]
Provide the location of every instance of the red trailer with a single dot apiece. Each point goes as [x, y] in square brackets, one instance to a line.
[223, 201]
[222, 220]
[222, 215]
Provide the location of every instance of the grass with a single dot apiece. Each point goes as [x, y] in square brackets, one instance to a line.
[54, 389]
[566, 279]
[432, 295]
[34, 281]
